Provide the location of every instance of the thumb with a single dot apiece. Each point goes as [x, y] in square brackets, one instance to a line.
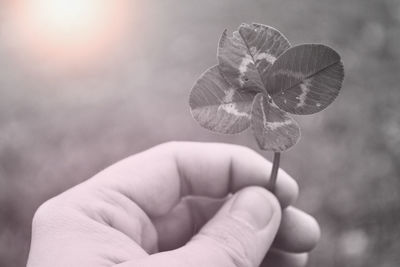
[240, 234]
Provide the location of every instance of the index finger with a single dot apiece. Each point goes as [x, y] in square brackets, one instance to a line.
[158, 178]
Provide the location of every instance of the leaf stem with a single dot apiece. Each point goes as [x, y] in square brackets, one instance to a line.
[274, 171]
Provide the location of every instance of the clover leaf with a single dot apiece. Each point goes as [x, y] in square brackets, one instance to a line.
[260, 80]
[218, 106]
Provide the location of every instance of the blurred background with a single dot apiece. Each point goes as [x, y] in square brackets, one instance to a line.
[84, 86]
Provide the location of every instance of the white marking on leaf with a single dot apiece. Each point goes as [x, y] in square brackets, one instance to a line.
[228, 98]
[231, 108]
[246, 61]
[273, 125]
[304, 91]
[263, 111]
[268, 57]
[277, 124]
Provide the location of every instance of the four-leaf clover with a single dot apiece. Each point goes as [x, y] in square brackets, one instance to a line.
[259, 80]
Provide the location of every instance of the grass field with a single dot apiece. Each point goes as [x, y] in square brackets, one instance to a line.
[60, 125]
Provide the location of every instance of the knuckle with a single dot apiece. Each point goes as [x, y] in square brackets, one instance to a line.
[239, 257]
[45, 212]
[234, 243]
[168, 148]
[247, 152]
[170, 145]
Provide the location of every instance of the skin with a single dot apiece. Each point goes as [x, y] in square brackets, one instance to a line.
[177, 204]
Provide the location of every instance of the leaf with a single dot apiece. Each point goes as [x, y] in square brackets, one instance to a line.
[218, 106]
[306, 78]
[246, 56]
[265, 44]
[273, 128]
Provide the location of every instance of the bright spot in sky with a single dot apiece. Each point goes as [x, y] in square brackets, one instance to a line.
[67, 15]
[71, 31]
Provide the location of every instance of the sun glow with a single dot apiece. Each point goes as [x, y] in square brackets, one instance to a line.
[71, 30]
[68, 15]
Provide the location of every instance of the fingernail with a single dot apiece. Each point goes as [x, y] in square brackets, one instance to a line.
[252, 207]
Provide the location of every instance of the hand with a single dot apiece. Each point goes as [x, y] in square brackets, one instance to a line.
[178, 204]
